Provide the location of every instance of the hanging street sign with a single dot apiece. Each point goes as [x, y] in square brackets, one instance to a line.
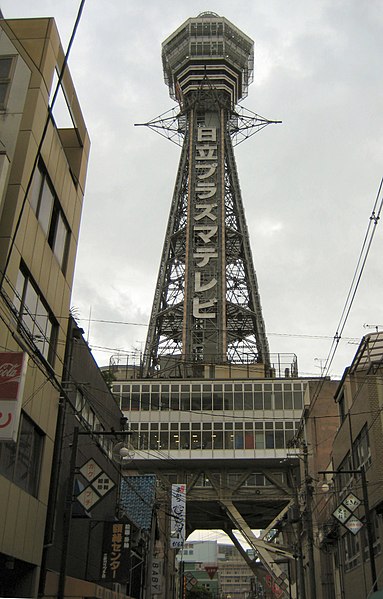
[342, 514]
[103, 484]
[90, 470]
[351, 502]
[354, 525]
[99, 484]
[88, 498]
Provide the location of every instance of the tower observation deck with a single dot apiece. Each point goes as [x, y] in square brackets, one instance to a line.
[207, 308]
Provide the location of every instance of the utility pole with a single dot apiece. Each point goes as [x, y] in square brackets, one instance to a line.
[370, 537]
[308, 518]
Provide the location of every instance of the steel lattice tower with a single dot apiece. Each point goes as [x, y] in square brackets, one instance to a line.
[207, 307]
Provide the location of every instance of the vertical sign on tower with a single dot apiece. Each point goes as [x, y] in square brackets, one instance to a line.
[205, 223]
[13, 366]
[178, 516]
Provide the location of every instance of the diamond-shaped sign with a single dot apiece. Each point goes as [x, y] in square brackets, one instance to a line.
[103, 484]
[88, 498]
[342, 514]
[351, 502]
[90, 470]
[354, 525]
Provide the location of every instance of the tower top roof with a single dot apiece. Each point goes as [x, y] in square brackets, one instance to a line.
[208, 46]
[207, 14]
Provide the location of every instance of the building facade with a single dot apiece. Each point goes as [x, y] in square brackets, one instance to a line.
[42, 180]
[347, 498]
[86, 519]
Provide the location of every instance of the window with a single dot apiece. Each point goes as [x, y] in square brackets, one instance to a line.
[6, 72]
[35, 316]
[342, 407]
[375, 536]
[20, 462]
[345, 479]
[361, 450]
[47, 208]
[351, 546]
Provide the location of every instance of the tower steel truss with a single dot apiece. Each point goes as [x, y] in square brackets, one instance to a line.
[207, 307]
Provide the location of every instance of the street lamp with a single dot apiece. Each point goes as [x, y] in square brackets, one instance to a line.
[370, 539]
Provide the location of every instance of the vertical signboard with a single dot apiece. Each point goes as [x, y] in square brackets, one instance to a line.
[178, 516]
[156, 578]
[205, 227]
[13, 366]
[115, 552]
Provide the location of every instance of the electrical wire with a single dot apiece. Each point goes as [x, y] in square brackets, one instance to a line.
[359, 269]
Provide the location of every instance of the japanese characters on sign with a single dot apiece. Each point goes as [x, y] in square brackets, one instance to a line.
[178, 516]
[13, 366]
[99, 484]
[344, 513]
[205, 224]
[115, 552]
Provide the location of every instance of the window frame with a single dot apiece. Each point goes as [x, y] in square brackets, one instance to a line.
[33, 466]
[46, 205]
[30, 320]
[361, 446]
[7, 79]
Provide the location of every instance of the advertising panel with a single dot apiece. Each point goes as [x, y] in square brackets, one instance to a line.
[115, 564]
[178, 517]
[13, 366]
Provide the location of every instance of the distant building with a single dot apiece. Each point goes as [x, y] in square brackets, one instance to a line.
[220, 568]
[42, 179]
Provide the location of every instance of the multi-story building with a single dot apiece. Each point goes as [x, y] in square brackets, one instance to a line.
[236, 579]
[42, 179]
[217, 567]
[356, 465]
[90, 520]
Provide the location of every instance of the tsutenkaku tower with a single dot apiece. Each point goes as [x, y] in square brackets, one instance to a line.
[207, 307]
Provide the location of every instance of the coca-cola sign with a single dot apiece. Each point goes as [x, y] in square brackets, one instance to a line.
[12, 375]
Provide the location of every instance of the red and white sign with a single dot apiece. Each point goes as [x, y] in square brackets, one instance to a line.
[211, 570]
[13, 366]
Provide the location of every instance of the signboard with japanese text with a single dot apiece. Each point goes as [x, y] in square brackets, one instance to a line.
[13, 366]
[344, 513]
[178, 516]
[100, 484]
[116, 552]
[90, 470]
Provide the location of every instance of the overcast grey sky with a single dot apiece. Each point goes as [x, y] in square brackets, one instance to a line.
[308, 184]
